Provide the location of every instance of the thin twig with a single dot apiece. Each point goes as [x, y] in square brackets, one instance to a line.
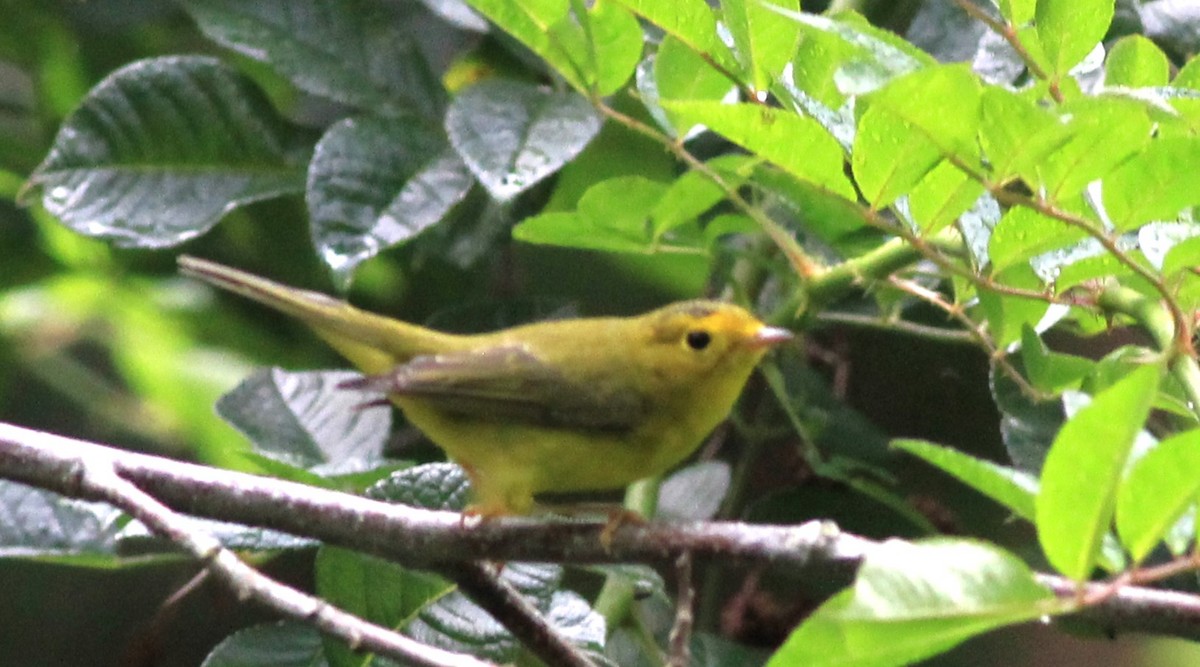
[685, 599]
[895, 324]
[515, 612]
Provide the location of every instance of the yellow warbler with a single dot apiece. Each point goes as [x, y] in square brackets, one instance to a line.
[568, 405]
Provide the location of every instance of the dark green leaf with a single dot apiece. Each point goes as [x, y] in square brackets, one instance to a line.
[304, 419]
[377, 590]
[162, 148]
[1026, 427]
[435, 486]
[376, 183]
[513, 135]
[283, 644]
[1083, 469]
[914, 600]
[361, 53]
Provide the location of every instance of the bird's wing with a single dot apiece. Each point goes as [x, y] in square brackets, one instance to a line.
[509, 383]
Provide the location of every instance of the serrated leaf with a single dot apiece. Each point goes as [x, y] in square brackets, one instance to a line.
[161, 149]
[513, 135]
[941, 196]
[1159, 488]
[695, 492]
[1155, 184]
[303, 419]
[1083, 468]
[797, 144]
[435, 486]
[36, 523]
[282, 644]
[1068, 30]
[914, 600]
[1014, 489]
[361, 53]
[375, 183]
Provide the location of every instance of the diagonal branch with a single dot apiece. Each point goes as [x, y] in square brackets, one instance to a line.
[97, 479]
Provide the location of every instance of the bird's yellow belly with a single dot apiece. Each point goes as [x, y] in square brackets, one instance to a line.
[509, 463]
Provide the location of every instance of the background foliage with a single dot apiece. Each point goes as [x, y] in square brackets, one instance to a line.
[996, 256]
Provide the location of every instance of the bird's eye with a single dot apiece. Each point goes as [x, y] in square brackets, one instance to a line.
[698, 340]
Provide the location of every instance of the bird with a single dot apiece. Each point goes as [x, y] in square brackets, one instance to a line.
[566, 405]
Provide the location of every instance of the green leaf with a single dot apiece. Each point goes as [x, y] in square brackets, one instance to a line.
[1154, 184]
[376, 183]
[304, 419]
[435, 486]
[1024, 233]
[682, 74]
[36, 523]
[1027, 427]
[1104, 133]
[161, 149]
[914, 600]
[282, 644]
[689, 21]
[889, 157]
[1083, 469]
[1015, 489]
[1017, 12]
[374, 589]
[1136, 62]
[1051, 371]
[941, 196]
[615, 216]
[1068, 30]
[365, 54]
[597, 52]
[764, 39]
[797, 144]
[513, 135]
[1017, 135]
[1159, 488]
[951, 123]
[616, 43]
[899, 141]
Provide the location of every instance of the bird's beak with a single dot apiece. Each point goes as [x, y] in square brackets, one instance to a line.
[770, 337]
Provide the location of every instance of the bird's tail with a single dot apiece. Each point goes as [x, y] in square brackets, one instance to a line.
[372, 342]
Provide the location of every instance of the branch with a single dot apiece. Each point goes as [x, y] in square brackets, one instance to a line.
[817, 549]
[96, 478]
